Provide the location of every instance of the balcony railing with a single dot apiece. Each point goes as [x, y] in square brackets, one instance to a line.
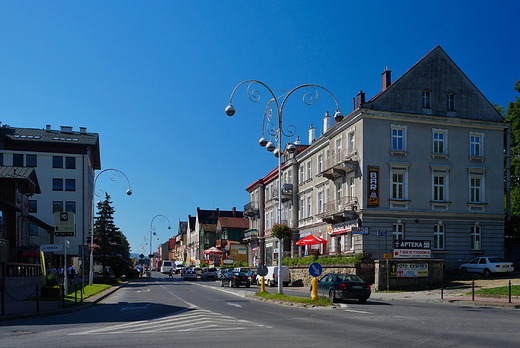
[251, 234]
[340, 205]
[251, 209]
[339, 163]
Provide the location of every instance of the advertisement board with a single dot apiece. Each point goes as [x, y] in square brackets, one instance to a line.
[409, 270]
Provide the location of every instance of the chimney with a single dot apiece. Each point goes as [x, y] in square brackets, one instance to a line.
[326, 122]
[312, 134]
[234, 210]
[66, 129]
[360, 99]
[297, 141]
[83, 130]
[48, 128]
[387, 81]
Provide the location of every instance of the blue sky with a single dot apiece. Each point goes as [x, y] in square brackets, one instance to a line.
[153, 79]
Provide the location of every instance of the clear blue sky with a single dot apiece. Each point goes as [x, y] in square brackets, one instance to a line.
[153, 79]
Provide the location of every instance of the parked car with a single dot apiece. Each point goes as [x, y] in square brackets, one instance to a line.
[252, 276]
[271, 279]
[180, 270]
[343, 286]
[235, 279]
[208, 273]
[197, 270]
[242, 269]
[487, 265]
[189, 274]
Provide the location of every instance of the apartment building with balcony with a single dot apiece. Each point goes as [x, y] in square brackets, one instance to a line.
[421, 160]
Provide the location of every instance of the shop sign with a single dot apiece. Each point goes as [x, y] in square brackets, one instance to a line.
[409, 270]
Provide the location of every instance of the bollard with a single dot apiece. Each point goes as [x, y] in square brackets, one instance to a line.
[75, 293]
[314, 289]
[63, 297]
[509, 291]
[37, 300]
[262, 284]
[473, 291]
[442, 291]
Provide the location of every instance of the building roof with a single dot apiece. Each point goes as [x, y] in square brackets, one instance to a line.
[230, 222]
[26, 174]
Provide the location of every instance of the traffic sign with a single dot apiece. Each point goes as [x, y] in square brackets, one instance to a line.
[388, 256]
[315, 269]
[262, 271]
[51, 247]
[381, 233]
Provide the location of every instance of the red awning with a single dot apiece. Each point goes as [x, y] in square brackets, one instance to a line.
[311, 239]
[31, 253]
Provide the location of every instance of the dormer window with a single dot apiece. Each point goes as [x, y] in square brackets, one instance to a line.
[450, 102]
[426, 99]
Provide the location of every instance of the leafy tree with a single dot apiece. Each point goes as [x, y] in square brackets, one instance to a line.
[114, 249]
[512, 116]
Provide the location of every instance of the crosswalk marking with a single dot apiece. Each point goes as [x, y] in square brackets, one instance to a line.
[187, 320]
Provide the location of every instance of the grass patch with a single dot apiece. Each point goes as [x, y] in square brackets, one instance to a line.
[502, 290]
[322, 301]
[90, 290]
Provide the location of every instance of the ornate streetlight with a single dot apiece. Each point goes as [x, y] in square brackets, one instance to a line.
[114, 177]
[152, 232]
[278, 132]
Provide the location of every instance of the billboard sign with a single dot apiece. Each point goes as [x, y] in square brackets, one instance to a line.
[64, 225]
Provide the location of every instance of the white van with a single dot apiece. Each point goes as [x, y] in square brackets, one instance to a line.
[271, 279]
[165, 266]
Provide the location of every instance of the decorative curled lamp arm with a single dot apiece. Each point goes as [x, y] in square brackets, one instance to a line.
[114, 177]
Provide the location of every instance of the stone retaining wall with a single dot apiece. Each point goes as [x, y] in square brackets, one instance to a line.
[300, 273]
[434, 274]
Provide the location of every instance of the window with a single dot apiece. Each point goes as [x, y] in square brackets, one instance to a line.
[397, 185]
[439, 187]
[398, 138]
[70, 207]
[57, 162]
[450, 102]
[338, 148]
[57, 207]
[339, 190]
[31, 161]
[301, 174]
[17, 160]
[33, 206]
[426, 99]
[57, 184]
[476, 144]
[398, 231]
[309, 170]
[70, 162]
[320, 202]
[302, 208]
[438, 237]
[475, 237]
[475, 189]
[320, 163]
[352, 188]
[351, 142]
[70, 184]
[309, 206]
[439, 141]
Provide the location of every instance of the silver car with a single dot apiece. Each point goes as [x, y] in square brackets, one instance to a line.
[487, 265]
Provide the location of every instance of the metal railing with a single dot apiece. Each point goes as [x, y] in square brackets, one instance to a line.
[339, 205]
[17, 270]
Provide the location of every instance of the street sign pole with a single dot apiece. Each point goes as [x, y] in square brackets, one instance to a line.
[65, 290]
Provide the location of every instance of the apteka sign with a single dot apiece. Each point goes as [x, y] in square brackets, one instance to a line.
[412, 244]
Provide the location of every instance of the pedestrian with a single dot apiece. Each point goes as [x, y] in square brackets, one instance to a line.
[61, 274]
[171, 272]
[70, 274]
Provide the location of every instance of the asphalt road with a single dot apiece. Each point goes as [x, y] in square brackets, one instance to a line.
[172, 312]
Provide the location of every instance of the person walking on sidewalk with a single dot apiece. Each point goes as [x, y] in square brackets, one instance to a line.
[61, 274]
[70, 274]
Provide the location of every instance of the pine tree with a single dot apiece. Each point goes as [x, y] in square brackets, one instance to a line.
[114, 249]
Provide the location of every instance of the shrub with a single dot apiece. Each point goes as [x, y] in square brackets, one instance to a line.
[327, 260]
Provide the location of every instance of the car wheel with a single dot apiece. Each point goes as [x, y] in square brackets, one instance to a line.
[362, 300]
[221, 283]
[269, 284]
[332, 296]
[487, 272]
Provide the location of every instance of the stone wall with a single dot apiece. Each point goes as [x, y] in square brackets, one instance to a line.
[434, 276]
[300, 273]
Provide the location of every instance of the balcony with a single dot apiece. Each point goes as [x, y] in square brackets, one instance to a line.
[287, 191]
[339, 164]
[251, 236]
[251, 209]
[341, 209]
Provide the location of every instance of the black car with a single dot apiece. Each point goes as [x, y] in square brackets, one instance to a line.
[235, 279]
[343, 286]
[252, 277]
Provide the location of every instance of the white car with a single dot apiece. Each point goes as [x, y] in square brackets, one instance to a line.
[487, 265]
[189, 275]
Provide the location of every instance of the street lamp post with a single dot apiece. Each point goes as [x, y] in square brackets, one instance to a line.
[278, 132]
[114, 177]
[152, 232]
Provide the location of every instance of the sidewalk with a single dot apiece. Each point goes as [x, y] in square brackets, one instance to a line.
[16, 305]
